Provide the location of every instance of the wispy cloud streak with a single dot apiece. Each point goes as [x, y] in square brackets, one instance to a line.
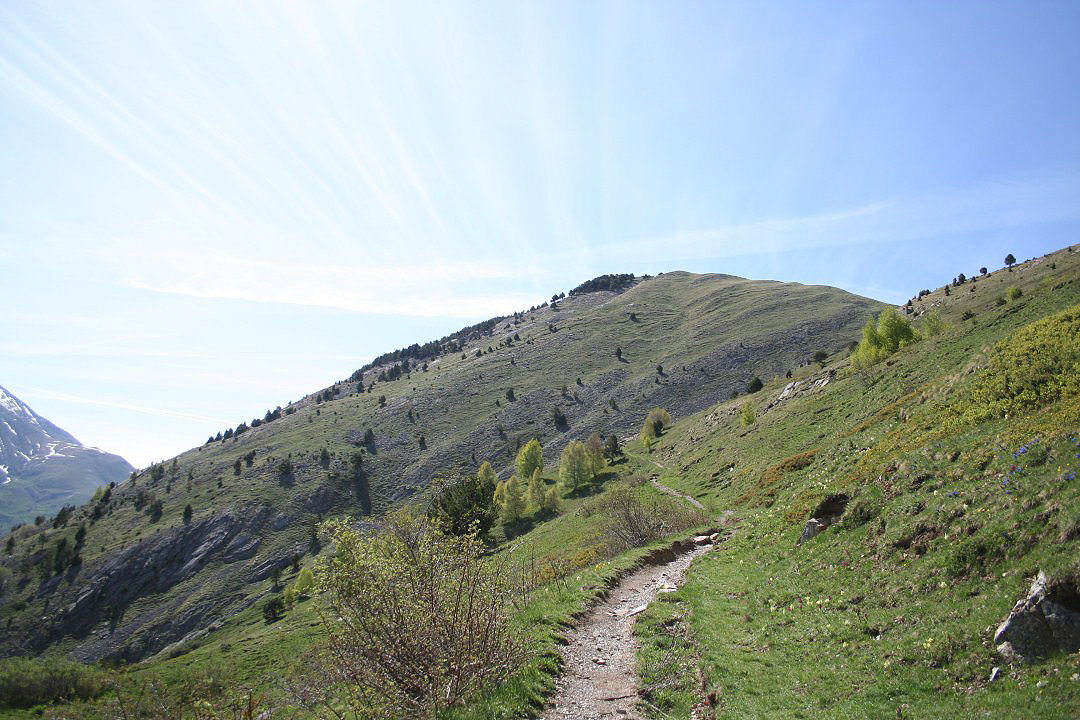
[38, 393]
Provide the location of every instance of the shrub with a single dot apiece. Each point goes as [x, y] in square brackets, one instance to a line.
[25, 682]
[1034, 367]
[655, 422]
[754, 385]
[1014, 293]
[933, 324]
[417, 621]
[273, 609]
[467, 505]
[629, 522]
[305, 581]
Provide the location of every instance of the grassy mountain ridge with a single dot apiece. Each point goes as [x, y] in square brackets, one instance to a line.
[949, 508]
[891, 610]
[146, 574]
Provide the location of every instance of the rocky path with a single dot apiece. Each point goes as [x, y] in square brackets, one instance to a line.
[671, 491]
[599, 675]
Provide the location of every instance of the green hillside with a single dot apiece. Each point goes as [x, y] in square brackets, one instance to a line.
[946, 472]
[955, 501]
[149, 577]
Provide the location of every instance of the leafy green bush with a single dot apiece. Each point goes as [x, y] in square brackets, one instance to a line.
[1034, 367]
[25, 682]
[933, 324]
[655, 422]
[417, 621]
[881, 339]
[628, 522]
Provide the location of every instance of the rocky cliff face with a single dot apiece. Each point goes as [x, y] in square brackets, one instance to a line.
[43, 468]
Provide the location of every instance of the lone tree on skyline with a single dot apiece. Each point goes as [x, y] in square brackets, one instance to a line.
[1010, 261]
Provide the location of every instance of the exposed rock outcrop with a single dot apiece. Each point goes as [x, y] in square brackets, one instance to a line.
[1046, 620]
[156, 565]
[828, 512]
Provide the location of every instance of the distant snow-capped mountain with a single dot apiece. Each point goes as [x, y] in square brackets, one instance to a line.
[43, 467]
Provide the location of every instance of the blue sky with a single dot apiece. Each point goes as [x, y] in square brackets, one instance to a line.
[209, 209]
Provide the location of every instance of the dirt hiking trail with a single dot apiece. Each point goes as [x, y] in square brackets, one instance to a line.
[599, 678]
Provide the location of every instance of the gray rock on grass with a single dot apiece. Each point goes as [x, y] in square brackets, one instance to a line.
[1046, 620]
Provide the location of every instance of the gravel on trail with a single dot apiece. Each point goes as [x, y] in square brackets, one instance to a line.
[600, 677]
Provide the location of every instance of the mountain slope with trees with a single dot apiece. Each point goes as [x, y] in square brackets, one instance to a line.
[195, 539]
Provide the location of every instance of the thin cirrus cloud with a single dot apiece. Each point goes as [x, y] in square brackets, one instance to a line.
[437, 289]
[40, 394]
[989, 206]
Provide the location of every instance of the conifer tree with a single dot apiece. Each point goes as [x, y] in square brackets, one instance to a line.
[305, 581]
[595, 449]
[513, 503]
[551, 500]
[575, 467]
[537, 490]
[529, 458]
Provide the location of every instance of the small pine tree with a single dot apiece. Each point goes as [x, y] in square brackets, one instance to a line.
[1010, 261]
[551, 500]
[305, 581]
[530, 458]
[746, 415]
[274, 609]
[575, 467]
[187, 514]
[513, 503]
[537, 491]
[611, 447]
[595, 449]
